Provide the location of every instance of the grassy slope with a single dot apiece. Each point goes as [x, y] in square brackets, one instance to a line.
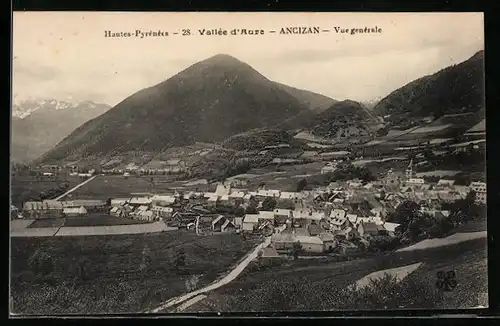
[115, 282]
[319, 285]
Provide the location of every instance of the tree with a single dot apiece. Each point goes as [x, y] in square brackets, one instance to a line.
[239, 212]
[301, 185]
[252, 209]
[180, 258]
[40, 263]
[108, 201]
[269, 204]
[296, 249]
[146, 258]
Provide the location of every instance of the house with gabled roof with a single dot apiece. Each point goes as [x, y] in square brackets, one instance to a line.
[217, 223]
[250, 222]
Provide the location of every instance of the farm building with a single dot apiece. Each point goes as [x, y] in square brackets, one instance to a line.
[290, 195]
[337, 213]
[74, 211]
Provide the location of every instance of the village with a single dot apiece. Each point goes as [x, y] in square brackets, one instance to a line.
[342, 217]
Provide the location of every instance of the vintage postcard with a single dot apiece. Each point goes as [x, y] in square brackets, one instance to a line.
[247, 162]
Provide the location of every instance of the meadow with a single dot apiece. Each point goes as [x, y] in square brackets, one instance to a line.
[115, 274]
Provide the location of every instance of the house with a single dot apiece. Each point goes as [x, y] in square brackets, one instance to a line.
[338, 223]
[238, 222]
[269, 253]
[161, 200]
[212, 201]
[53, 205]
[282, 215]
[268, 193]
[416, 181]
[306, 216]
[266, 228]
[391, 228]
[161, 211]
[337, 213]
[138, 201]
[14, 212]
[352, 218]
[328, 168]
[119, 201]
[228, 226]
[217, 223]
[145, 215]
[290, 195]
[33, 206]
[348, 248]
[348, 233]
[74, 211]
[266, 216]
[480, 190]
[314, 229]
[369, 229]
[222, 189]
[310, 244]
[329, 241]
[115, 211]
[354, 184]
[250, 222]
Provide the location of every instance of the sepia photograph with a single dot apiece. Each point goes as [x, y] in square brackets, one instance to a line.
[230, 162]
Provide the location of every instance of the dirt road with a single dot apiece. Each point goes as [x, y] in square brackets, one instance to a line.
[217, 284]
[76, 187]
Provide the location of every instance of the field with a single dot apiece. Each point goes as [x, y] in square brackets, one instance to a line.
[100, 220]
[319, 284]
[24, 188]
[115, 274]
[109, 186]
[286, 178]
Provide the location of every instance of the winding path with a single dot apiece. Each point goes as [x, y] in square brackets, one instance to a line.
[76, 187]
[217, 284]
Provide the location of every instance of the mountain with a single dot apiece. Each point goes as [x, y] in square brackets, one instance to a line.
[343, 120]
[207, 102]
[39, 125]
[453, 90]
[314, 101]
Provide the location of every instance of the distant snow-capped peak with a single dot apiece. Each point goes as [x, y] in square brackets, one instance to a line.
[21, 108]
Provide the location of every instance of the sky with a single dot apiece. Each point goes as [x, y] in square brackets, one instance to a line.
[65, 55]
